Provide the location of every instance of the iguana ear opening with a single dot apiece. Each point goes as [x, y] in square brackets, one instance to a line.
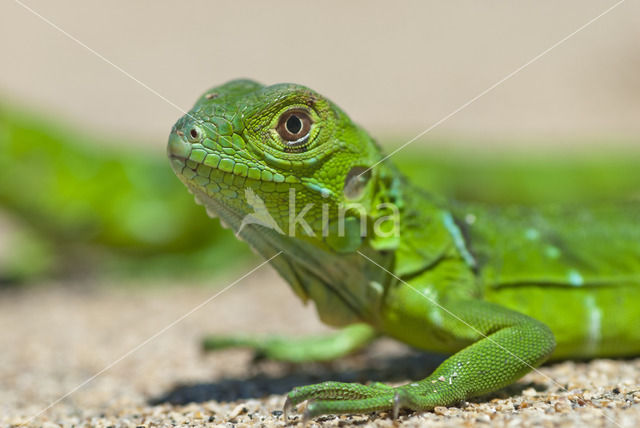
[356, 182]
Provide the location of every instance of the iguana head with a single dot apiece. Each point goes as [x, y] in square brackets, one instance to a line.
[283, 157]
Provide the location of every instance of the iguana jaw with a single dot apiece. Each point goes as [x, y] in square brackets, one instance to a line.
[218, 185]
[231, 211]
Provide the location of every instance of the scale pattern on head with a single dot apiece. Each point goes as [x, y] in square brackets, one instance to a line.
[244, 138]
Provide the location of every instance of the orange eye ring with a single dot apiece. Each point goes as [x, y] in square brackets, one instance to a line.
[293, 127]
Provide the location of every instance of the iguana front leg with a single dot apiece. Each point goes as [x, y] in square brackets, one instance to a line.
[297, 350]
[506, 345]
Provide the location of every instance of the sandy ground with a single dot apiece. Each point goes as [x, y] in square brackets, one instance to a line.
[55, 338]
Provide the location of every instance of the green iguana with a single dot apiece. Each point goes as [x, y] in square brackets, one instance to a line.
[501, 288]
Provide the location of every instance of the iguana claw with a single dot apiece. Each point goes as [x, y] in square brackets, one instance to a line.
[286, 409]
[288, 405]
[306, 416]
[396, 405]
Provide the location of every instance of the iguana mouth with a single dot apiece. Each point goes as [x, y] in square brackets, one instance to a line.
[193, 160]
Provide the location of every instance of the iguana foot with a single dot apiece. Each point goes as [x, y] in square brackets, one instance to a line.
[338, 398]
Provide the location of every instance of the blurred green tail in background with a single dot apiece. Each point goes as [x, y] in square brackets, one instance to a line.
[77, 203]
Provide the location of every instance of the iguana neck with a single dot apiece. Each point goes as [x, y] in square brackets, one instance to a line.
[429, 233]
[345, 286]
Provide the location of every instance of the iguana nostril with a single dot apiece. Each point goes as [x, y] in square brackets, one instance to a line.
[194, 134]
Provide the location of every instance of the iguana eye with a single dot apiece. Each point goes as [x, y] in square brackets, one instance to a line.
[293, 127]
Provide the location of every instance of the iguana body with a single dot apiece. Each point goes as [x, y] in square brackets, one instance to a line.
[500, 288]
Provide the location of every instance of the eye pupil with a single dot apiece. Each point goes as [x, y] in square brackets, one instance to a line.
[293, 124]
[193, 133]
[294, 129]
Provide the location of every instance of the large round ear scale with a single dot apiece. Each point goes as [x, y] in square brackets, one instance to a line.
[356, 181]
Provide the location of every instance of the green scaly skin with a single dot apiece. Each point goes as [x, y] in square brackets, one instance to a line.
[501, 288]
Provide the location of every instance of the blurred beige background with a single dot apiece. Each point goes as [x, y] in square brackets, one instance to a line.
[395, 67]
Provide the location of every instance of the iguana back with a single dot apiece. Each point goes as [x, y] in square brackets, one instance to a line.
[571, 246]
[553, 261]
